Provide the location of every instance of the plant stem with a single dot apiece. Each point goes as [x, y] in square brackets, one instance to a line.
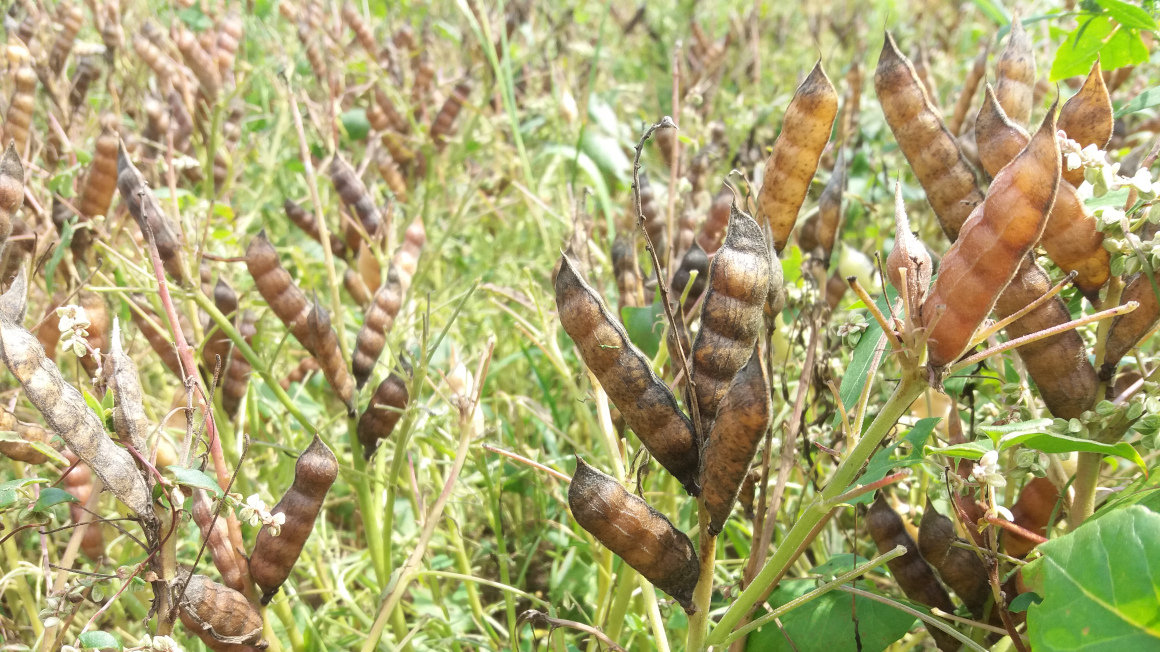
[654, 614]
[282, 609]
[703, 594]
[912, 385]
[626, 583]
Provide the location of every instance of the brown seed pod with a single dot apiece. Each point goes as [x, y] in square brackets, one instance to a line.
[23, 245]
[647, 404]
[739, 285]
[87, 72]
[377, 323]
[630, 292]
[931, 150]
[299, 372]
[11, 190]
[1072, 238]
[390, 173]
[382, 414]
[1128, 330]
[748, 492]
[913, 574]
[713, 230]
[154, 57]
[635, 532]
[273, 557]
[231, 135]
[407, 257]
[158, 340]
[1087, 118]
[830, 207]
[71, 17]
[355, 195]
[101, 180]
[22, 451]
[308, 222]
[423, 83]
[909, 254]
[237, 373]
[64, 408]
[112, 34]
[444, 124]
[230, 32]
[201, 63]
[694, 260]
[1037, 502]
[741, 423]
[18, 120]
[355, 22]
[214, 533]
[146, 210]
[394, 117]
[1015, 75]
[666, 139]
[805, 131]
[182, 122]
[356, 287]
[999, 233]
[156, 128]
[967, 95]
[129, 420]
[216, 349]
[654, 219]
[326, 349]
[960, 569]
[100, 325]
[220, 616]
[274, 283]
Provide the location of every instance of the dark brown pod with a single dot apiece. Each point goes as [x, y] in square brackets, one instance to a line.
[237, 372]
[630, 293]
[1128, 330]
[285, 299]
[731, 314]
[748, 492]
[382, 414]
[1037, 502]
[329, 354]
[960, 569]
[217, 348]
[11, 190]
[274, 556]
[101, 180]
[694, 260]
[913, 574]
[377, 323]
[146, 210]
[741, 423]
[444, 124]
[355, 195]
[220, 616]
[309, 225]
[647, 404]
[87, 72]
[643, 537]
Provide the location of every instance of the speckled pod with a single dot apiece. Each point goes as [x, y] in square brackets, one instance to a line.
[383, 413]
[146, 210]
[1015, 75]
[355, 195]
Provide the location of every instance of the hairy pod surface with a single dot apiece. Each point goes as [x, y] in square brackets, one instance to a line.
[911, 571]
[909, 254]
[64, 408]
[731, 314]
[1058, 364]
[11, 190]
[647, 404]
[643, 537]
[274, 283]
[992, 245]
[273, 557]
[237, 373]
[308, 222]
[146, 210]
[129, 418]
[355, 195]
[220, 616]
[383, 413]
[960, 569]
[101, 180]
[1128, 330]
[325, 342]
[805, 131]
[1087, 118]
[22, 451]
[377, 323]
[741, 423]
[18, 119]
[1015, 75]
[1072, 238]
[931, 150]
[214, 533]
[444, 124]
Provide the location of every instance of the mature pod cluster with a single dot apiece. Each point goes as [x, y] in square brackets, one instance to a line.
[1001, 231]
[18, 120]
[377, 323]
[911, 571]
[324, 342]
[146, 210]
[201, 63]
[960, 569]
[220, 616]
[635, 532]
[284, 297]
[646, 403]
[382, 413]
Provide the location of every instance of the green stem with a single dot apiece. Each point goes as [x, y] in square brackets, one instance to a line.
[703, 594]
[911, 387]
[368, 509]
[282, 610]
[626, 582]
[654, 614]
[20, 584]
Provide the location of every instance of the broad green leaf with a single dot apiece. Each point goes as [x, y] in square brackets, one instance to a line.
[51, 497]
[1145, 100]
[1124, 48]
[1082, 46]
[608, 155]
[48, 451]
[882, 462]
[645, 327]
[1053, 443]
[196, 479]
[971, 450]
[1128, 15]
[1099, 586]
[854, 378]
[997, 432]
[7, 497]
[1023, 601]
[355, 123]
[826, 624]
[100, 641]
[93, 403]
[1112, 198]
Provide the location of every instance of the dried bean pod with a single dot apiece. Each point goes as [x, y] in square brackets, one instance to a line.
[1087, 118]
[1015, 75]
[666, 139]
[71, 17]
[967, 95]
[993, 244]
[11, 190]
[237, 373]
[355, 22]
[18, 120]
[748, 492]
[182, 122]
[741, 423]
[326, 349]
[230, 32]
[307, 221]
[87, 72]
[444, 124]
[158, 340]
[390, 173]
[909, 254]
[101, 180]
[355, 195]
[217, 348]
[299, 373]
[382, 413]
[100, 325]
[356, 287]
[835, 289]
[960, 569]
[64, 408]
[739, 285]
[129, 419]
[273, 557]
[647, 404]
[156, 128]
[423, 83]
[1128, 330]
[851, 106]
[713, 230]
[830, 207]
[407, 257]
[201, 63]
[913, 574]
[214, 533]
[112, 34]
[628, 276]
[931, 149]
[377, 323]
[791, 166]
[220, 616]
[654, 220]
[1033, 511]
[274, 283]
[154, 57]
[146, 210]
[635, 532]
[22, 451]
[396, 119]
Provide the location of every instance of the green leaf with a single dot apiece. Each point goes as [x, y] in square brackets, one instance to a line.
[882, 463]
[196, 479]
[1145, 100]
[1113, 198]
[1081, 48]
[838, 564]
[93, 403]
[1124, 48]
[997, 432]
[826, 624]
[645, 327]
[7, 497]
[100, 641]
[971, 450]
[195, 19]
[355, 123]
[1128, 15]
[48, 451]
[855, 377]
[1023, 601]
[51, 497]
[994, 10]
[1099, 586]
[1053, 443]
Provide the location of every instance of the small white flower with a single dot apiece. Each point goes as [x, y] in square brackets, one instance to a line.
[53, 621]
[1091, 152]
[72, 317]
[1005, 513]
[1142, 181]
[1084, 191]
[1073, 162]
[256, 503]
[987, 470]
[165, 644]
[247, 515]
[278, 519]
[64, 648]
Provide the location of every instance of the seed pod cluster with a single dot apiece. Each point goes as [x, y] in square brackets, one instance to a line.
[274, 283]
[731, 314]
[18, 120]
[911, 571]
[1128, 330]
[325, 344]
[355, 195]
[383, 413]
[931, 150]
[214, 533]
[377, 323]
[22, 451]
[1000, 232]
[635, 532]
[146, 210]
[299, 372]
[1015, 75]
[273, 557]
[220, 616]
[201, 63]
[1087, 118]
[154, 57]
[444, 123]
[741, 423]
[362, 32]
[791, 166]
[960, 569]
[647, 404]
[70, 16]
